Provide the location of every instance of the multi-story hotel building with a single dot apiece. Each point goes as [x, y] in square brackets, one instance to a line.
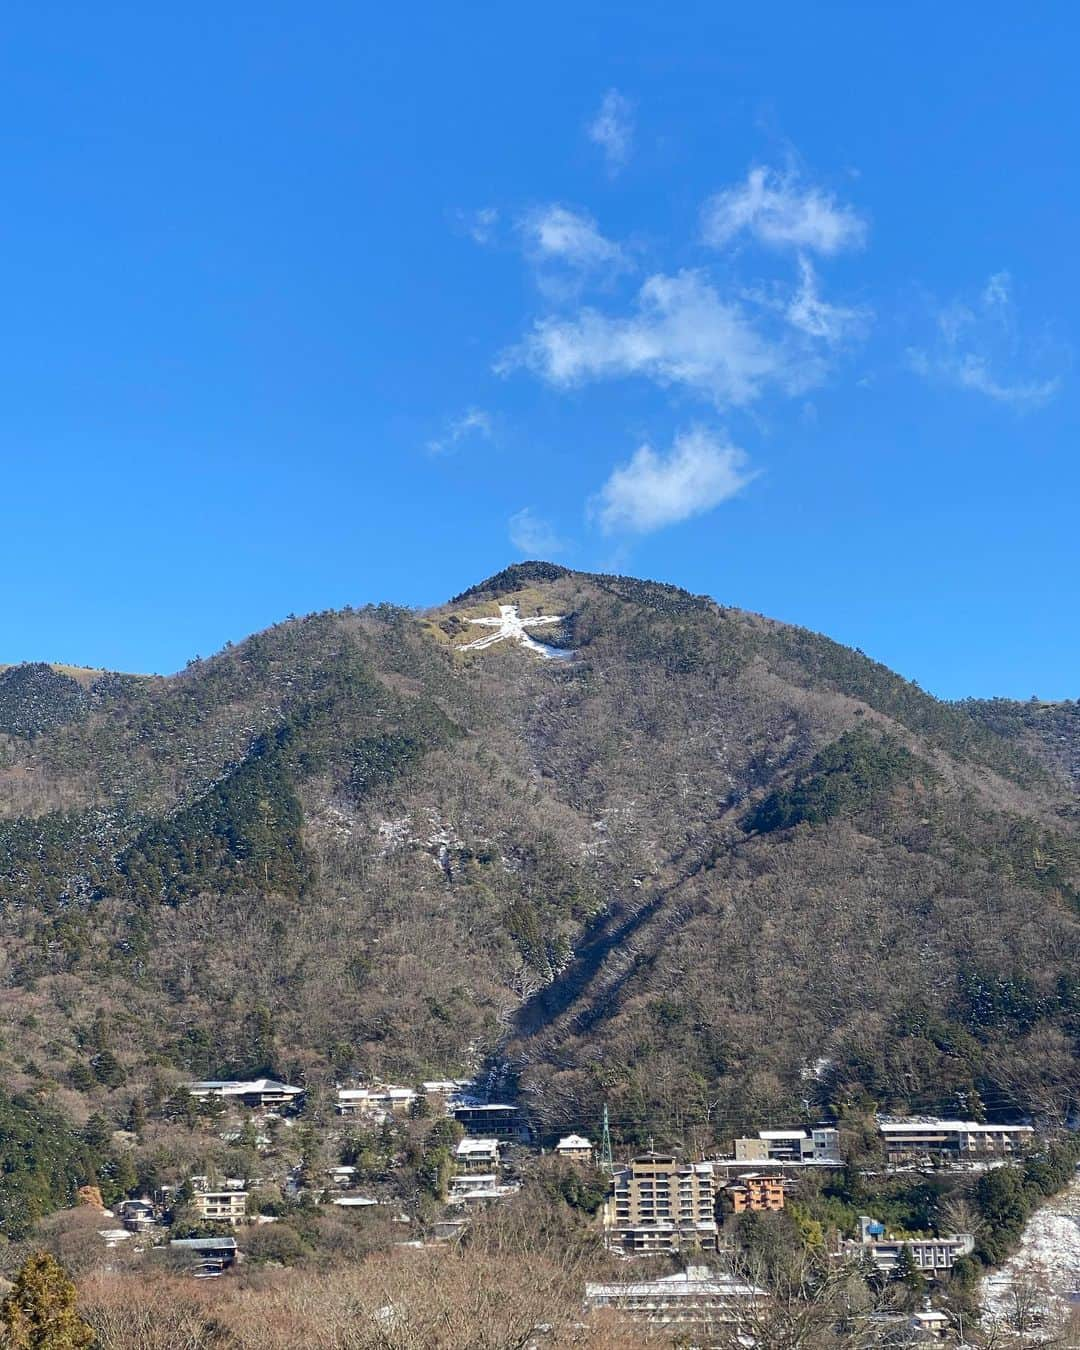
[661, 1204]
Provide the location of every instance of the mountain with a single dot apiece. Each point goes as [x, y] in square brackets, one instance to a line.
[701, 866]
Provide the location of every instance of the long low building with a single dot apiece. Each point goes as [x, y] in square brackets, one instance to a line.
[695, 1298]
[933, 1256]
[489, 1118]
[254, 1092]
[910, 1138]
[206, 1256]
[383, 1100]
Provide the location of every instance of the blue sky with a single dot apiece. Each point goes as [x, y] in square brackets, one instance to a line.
[309, 306]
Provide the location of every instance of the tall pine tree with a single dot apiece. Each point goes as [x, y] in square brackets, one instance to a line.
[39, 1310]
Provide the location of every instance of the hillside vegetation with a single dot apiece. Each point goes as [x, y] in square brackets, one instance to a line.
[708, 871]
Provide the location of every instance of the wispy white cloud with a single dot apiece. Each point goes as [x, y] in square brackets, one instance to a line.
[473, 424]
[969, 370]
[997, 293]
[555, 233]
[533, 536]
[817, 318]
[681, 332]
[612, 129]
[652, 490]
[481, 226]
[779, 210]
[978, 346]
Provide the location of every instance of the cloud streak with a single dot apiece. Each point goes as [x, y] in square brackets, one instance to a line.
[780, 211]
[473, 424]
[815, 317]
[653, 490]
[481, 226]
[612, 129]
[978, 347]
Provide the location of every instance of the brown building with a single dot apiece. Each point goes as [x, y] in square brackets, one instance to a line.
[757, 1193]
[661, 1204]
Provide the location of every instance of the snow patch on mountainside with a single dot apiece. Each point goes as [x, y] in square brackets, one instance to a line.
[1045, 1267]
[511, 627]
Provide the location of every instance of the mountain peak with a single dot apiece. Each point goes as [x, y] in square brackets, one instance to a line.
[513, 578]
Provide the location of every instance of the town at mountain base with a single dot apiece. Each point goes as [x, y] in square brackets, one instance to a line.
[706, 872]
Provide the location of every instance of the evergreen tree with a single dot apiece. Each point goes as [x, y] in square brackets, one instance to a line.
[80, 1077]
[136, 1117]
[107, 1069]
[119, 1175]
[1004, 1207]
[907, 1272]
[39, 1311]
[96, 1131]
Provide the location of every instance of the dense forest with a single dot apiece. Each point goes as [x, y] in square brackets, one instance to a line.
[713, 871]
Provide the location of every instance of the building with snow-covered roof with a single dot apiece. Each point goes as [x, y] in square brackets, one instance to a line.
[255, 1092]
[574, 1148]
[478, 1188]
[912, 1138]
[353, 1101]
[446, 1087]
[491, 1118]
[695, 1298]
[382, 1100]
[477, 1155]
[137, 1215]
[929, 1325]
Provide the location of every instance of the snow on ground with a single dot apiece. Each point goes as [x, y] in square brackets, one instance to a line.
[818, 1069]
[1048, 1257]
[511, 627]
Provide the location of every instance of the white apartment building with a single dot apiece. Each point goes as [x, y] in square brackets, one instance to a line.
[379, 1102]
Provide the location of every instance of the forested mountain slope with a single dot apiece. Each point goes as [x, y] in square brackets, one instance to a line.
[1050, 731]
[710, 869]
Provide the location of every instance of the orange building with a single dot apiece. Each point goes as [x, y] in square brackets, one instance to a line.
[756, 1193]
